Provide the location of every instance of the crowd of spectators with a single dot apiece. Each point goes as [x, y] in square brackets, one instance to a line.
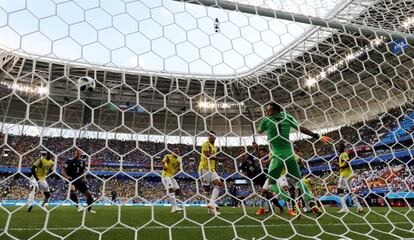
[110, 155]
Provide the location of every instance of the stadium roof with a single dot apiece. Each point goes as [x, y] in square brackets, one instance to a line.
[151, 36]
[355, 90]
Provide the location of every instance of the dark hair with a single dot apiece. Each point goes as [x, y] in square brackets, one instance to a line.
[48, 155]
[341, 147]
[264, 149]
[212, 132]
[276, 107]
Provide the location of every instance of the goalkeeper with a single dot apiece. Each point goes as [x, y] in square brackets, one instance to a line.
[277, 124]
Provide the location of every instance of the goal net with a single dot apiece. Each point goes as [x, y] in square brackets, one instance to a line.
[153, 119]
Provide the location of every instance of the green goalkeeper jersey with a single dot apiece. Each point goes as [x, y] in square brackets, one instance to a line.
[278, 129]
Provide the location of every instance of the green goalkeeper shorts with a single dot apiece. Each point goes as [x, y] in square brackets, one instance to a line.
[307, 194]
[279, 162]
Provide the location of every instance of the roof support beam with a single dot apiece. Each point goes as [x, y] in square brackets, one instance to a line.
[294, 17]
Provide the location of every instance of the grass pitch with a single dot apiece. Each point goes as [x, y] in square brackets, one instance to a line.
[112, 222]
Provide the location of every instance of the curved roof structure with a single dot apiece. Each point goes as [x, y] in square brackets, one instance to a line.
[164, 36]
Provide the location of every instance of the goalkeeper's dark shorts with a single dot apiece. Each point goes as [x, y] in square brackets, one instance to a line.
[81, 186]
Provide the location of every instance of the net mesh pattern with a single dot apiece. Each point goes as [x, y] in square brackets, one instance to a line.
[166, 74]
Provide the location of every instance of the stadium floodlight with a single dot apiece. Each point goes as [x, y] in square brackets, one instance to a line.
[408, 23]
[219, 105]
[44, 90]
[373, 44]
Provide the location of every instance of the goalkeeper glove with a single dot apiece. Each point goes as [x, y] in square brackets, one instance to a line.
[324, 139]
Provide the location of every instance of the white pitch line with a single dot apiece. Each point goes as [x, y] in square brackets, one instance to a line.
[196, 227]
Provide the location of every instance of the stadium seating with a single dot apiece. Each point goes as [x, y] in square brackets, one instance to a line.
[373, 171]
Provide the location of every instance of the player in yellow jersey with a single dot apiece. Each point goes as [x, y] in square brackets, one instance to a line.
[171, 166]
[40, 169]
[344, 183]
[207, 171]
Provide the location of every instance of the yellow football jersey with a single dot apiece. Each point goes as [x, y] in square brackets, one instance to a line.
[344, 162]
[206, 162]
[42, 167]
[171, 165]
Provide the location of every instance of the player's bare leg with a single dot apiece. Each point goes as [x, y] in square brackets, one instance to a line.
[291, 202]
[89, 201]
[261, 209]
[31, 198]
[360, 209]
[214, 195]
[268, 196]
[177, 193]
[206, 194]
[46, 200]
[172, 194]
[308, 199]
[74, 197]
[283, 193]
[344, 207]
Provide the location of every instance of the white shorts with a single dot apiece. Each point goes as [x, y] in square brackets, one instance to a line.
[345, 183]
[42, 184]
[208, 177]
[169, 183]
[266, 185]
[282, 182]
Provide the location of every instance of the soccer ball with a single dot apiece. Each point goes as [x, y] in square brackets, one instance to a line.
[86, 83]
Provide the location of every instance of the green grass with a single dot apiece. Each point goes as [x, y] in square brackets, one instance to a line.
[152, 223]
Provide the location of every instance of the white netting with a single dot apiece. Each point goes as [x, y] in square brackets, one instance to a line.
[166, 73]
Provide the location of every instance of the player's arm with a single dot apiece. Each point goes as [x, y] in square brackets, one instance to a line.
[209, 155]
[165, 161]
[255, 149]
[310, 133]
[295, 124]
[65, 172]
[262, 126]
[301, 162]
[205, 149]
[33, 171]
[345, 162]
[180, 165]
[242, 169]
[51, 168]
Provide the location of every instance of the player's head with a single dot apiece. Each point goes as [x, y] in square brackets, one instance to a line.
[176, 151]
[48, 155]
[242, 155]
[297, 151]
[43, 154]
[211, 136]
[341, 147]
[272, 108]
[263, 152]
[77, 154]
